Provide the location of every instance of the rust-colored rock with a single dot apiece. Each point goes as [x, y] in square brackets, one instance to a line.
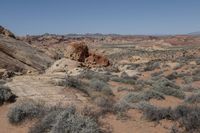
[77, 51]
[97, 60]
[6, 32]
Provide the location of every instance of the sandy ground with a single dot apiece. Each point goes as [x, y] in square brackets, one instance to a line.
[136, 124]
[6, 127]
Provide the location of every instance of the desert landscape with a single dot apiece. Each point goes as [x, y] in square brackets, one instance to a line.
[96, 83]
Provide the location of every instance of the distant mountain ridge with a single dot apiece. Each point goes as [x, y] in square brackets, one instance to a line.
[195, 33]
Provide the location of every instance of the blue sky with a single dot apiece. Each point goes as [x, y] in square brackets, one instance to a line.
[100, 16]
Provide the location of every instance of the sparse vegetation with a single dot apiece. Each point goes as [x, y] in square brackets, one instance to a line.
[6, 95]
[100, 86]
[70, 121]
[156, 73]
[143, 96]
[188, 88]
[188, 117]
[167, 87]
[193, 99]
[95, 75]
[172, 76]
[28, 109]
[55, 119]
[155, 114]
[124, 80]
[150, 66]
[105, 103]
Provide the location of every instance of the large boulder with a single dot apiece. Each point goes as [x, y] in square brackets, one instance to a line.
[6, 32]
[77, 51]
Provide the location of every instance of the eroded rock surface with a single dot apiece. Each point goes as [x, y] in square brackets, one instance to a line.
[18, 56]
[6, 32]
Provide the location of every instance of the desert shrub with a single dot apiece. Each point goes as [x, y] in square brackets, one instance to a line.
[198, 62]
[71, 122]
[45, 123]
[188, 79]
[167, 87]
[188, 88]
[91, 112]
[119, 89]
[145, 82]
[196, 78]
[150, 66]
[143, 105]
[105, 103]
[121, 106]
[95, 75]
[25, 110]
[155, 78]
[156, 73]
[194, 99]
[133, 66]
[91, 89]
[151, 94]
[172, 76]
[132, 97]
[155, 114]
[178, 66]
[61, 120]
[2, 82]
[73, 82]
[143, 96]
[196, 75]
[124, 80]
[6, 95]
[100, 86]
[189, 117]
[174, 129]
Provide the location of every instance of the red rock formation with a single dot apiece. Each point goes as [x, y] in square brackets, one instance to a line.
[77, 51]
[97, 60]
